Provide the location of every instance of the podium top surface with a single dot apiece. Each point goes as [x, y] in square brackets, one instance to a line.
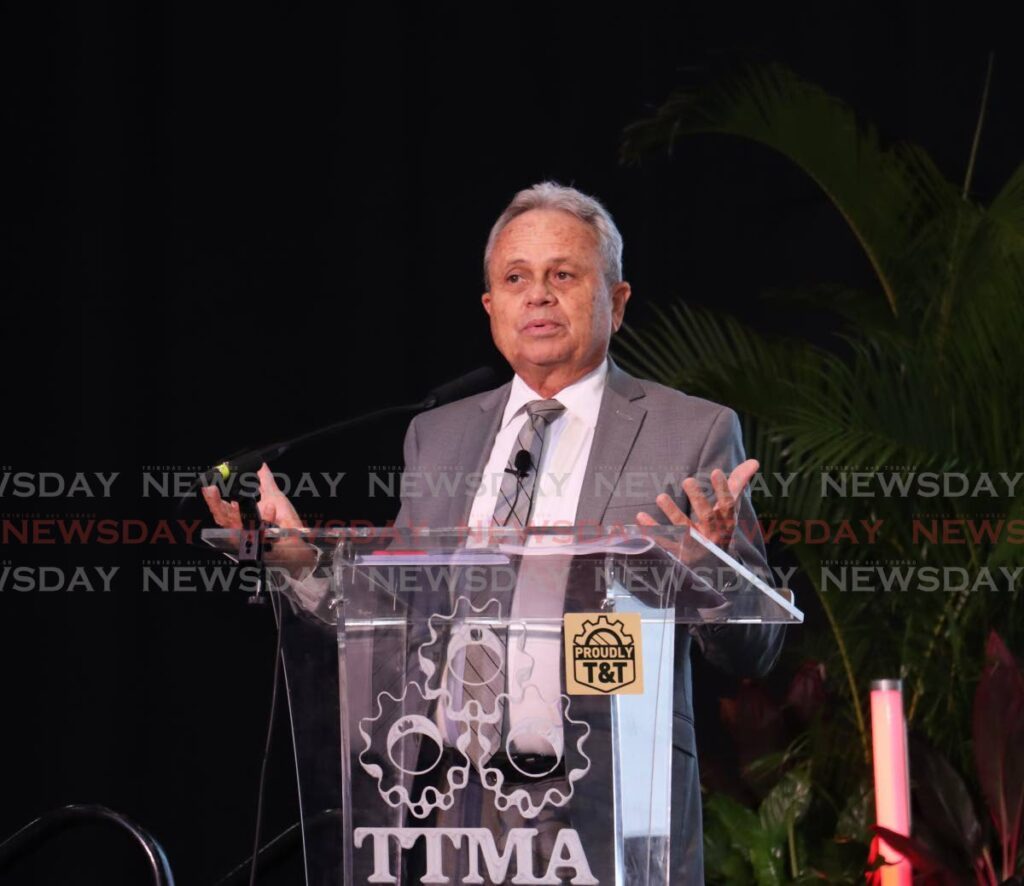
[660, 566]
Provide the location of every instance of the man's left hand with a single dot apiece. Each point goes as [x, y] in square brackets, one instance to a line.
[716, 522]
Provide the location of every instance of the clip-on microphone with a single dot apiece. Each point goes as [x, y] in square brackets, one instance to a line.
[522, 464]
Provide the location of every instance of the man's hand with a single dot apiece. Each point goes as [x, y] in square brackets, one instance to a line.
[274, 507]
[715, 522]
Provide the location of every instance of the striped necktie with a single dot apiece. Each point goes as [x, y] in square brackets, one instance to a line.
[515, 500]
[486, 656]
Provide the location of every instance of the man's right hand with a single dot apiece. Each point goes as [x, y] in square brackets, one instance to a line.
[273, 505]
[275, 508]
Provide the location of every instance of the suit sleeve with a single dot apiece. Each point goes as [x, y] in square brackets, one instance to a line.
[748, 649]
[410, 452]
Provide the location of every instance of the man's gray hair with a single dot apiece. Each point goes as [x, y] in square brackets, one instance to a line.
[551, 195]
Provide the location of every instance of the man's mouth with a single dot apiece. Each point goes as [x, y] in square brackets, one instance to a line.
[541, 327]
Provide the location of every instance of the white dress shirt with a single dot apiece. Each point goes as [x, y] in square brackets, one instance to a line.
[541, 586]
[563, 460]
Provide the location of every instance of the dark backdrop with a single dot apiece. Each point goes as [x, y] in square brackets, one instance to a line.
[222, 227]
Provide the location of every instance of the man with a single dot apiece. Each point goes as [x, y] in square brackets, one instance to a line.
[600, 440]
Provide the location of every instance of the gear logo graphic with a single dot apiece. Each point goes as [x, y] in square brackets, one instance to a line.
[409, 739]
[604, 655]
[399, 745]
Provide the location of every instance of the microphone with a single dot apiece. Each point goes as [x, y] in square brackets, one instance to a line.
[478, 380]
[471, 383]
[523, 463]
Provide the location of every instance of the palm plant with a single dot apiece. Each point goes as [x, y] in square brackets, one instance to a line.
[926, 374]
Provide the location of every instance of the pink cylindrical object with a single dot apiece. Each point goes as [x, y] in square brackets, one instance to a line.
[892, 775]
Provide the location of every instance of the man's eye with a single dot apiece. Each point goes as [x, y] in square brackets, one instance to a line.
[563, 275]
[513, 278]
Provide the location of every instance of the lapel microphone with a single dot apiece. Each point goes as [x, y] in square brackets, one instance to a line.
[523, 462]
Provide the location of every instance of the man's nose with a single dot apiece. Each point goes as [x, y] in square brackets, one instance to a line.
[540, 294]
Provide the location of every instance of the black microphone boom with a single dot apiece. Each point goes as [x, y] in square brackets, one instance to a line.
[471, 383]
[244, 462]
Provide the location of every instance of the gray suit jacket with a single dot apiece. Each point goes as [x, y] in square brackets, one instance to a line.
[648, 439]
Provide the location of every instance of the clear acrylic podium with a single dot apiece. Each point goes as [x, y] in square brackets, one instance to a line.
[492, 706]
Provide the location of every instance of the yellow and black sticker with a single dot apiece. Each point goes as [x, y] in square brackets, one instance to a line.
[602, 653]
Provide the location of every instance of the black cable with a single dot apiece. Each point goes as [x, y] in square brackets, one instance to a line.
[39, 830]
[281, 847]
[275, 604]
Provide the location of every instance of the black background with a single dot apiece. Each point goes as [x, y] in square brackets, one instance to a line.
[226, 226]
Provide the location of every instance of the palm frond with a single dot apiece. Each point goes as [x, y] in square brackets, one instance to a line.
[1007, 212]
[886, 195]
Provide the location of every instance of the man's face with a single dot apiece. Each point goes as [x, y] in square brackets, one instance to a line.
[550, 308]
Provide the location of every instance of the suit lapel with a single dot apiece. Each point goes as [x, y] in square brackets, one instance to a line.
[618, 423]
[475, 448]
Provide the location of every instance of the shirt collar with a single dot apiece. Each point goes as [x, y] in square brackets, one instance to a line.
[581, 399]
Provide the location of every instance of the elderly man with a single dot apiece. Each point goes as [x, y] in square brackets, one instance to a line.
[598, 440]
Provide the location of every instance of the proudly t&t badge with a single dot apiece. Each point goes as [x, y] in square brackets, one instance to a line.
[602, 653]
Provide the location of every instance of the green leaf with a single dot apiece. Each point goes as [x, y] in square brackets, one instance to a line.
[738, 821]
[724, 861]
[788, 801]
[768, 862]
[857, 816]
[763, 847]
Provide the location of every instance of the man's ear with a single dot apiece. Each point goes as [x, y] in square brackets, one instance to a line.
[486, 301]
[620, 295]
